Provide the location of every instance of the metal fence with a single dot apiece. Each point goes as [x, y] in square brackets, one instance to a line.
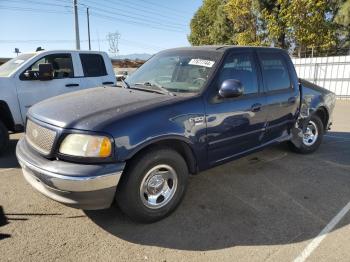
[332, 73]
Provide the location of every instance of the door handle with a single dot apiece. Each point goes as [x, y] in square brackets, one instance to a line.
[107, 83]
[71, 85]
[256, 107]
[292, 100]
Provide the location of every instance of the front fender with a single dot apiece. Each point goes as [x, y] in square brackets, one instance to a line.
[183, 121]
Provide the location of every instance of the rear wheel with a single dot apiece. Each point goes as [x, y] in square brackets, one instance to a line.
[4, 138]
[312, 137]
[152, 185]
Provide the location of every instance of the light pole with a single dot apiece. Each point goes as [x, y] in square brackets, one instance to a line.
[88, 24]
[76, 24]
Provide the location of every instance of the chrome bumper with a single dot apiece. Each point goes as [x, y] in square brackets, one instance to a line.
[76, 185]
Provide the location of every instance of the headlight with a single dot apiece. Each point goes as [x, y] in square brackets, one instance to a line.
[86, 146]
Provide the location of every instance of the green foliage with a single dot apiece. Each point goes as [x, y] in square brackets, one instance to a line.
[244, 15]
[343, 15]
[210, 25]
[223, 30]
[317, 24]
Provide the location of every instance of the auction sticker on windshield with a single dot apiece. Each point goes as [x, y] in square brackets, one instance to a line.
[201, 62]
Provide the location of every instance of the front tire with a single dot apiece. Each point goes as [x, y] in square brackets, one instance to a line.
[4, 138]
[152, 185]
[312, 137]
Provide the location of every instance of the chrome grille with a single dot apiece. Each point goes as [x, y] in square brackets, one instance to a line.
[39, 137]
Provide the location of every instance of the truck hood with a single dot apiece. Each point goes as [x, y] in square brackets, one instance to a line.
[4, 81]
[92, 109]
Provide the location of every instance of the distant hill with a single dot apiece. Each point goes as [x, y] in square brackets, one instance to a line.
[143, 56]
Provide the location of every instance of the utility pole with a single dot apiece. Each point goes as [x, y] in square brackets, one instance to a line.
[76, 24]
[88, 24]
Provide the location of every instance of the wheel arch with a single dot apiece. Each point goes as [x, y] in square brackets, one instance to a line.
[323, 114]
[180, 145]
[6, 116]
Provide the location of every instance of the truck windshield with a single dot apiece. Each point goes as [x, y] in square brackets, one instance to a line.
[180, 73]
[11, 65]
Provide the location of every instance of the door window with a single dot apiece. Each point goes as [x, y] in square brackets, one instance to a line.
[93, 65]
[275, 71]
[62, 65]
[241, 67]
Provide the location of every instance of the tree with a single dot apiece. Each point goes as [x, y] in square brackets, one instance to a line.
[223, 29]
[244, 14]
[342, 20]
[210, 25]
[301, 23]
[308, 24]
[343, 15]
[290, 24]
[273, 16]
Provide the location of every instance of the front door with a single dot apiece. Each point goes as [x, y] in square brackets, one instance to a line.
[31, 90]
[236, 125]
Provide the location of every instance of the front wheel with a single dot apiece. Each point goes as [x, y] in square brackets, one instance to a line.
[152, 185]
[312, 137]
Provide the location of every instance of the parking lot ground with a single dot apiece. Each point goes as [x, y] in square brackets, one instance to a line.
[269, 206]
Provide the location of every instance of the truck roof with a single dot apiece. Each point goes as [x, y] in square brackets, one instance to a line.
[64, 51]
[221, 48]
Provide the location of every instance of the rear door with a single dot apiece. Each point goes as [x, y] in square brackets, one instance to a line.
[95, 71]
[236, 125]
[281, 93]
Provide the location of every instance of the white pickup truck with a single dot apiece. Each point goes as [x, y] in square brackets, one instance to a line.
[32, 77]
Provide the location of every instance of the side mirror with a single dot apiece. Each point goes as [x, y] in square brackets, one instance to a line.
[231, 88]
[45, 72]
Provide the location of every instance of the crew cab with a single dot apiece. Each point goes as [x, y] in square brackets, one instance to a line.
[184, 111]
[32, 77]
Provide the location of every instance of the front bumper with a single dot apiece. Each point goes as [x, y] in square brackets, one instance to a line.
[77, 185]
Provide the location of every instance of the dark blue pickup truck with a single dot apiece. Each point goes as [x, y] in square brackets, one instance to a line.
[185, 110]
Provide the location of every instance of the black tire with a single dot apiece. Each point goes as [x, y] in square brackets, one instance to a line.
[4, 138]
[307, 149]
[128, 194]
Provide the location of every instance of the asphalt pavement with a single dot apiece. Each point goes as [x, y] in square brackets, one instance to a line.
[274, 205]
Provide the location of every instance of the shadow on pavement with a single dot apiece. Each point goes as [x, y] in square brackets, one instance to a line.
[273, 197]
[8, 159]
[3, 222]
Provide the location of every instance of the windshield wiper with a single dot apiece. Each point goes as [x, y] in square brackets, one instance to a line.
[160, 90]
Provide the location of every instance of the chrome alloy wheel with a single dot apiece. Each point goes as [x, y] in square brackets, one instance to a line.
[311, 134]
[158, 186]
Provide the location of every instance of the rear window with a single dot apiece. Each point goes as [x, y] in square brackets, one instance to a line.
[275, 71]
[93, 65]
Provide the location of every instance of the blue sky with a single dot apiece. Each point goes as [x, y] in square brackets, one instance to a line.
[145, 26]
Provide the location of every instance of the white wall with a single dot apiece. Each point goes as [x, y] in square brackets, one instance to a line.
[332, 72]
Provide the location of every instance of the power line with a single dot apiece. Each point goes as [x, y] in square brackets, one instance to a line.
[95, 14]
[176, 11]
[122, 20]
[18, 8]
[142, 19]
[128, 6]
[38, 3]
[101, 15]
[160, 7]
[122, 41]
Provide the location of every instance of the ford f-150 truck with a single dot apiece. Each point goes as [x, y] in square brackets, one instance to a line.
[30, 78]
[185, 110]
